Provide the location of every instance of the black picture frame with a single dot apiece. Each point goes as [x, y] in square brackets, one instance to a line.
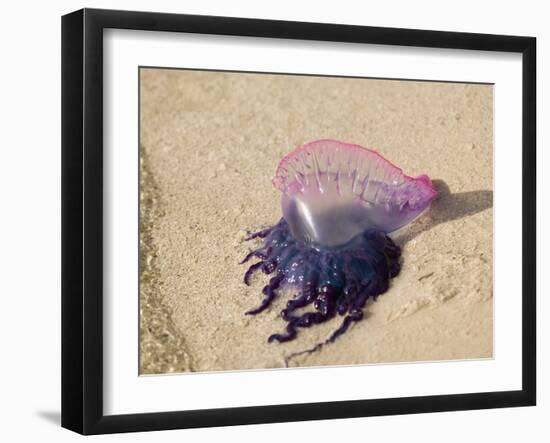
[82, 218]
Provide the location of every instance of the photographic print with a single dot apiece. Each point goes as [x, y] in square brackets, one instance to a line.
[259, 207]
[301, 221]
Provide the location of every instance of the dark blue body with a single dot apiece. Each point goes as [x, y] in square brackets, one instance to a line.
[335, 281]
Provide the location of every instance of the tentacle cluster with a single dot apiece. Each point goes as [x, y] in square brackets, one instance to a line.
[335, 281]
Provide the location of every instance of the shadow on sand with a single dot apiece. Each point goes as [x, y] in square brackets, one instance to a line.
[447, 207]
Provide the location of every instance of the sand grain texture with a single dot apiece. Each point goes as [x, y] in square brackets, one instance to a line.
[211, 142]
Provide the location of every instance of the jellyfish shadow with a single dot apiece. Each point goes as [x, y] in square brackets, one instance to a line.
[448, 207]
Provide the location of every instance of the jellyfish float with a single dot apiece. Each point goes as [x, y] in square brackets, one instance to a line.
[332, 246]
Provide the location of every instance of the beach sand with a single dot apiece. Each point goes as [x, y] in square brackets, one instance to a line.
[210, 144]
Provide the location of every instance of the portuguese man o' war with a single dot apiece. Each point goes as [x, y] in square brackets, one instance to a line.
[332, 246]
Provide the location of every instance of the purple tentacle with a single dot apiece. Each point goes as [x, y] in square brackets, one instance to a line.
[255, 253]
[270, 294]
[251, 271]
[305, 321]
[260, 234]
[281, 338]
[302, 300]
[354, 316]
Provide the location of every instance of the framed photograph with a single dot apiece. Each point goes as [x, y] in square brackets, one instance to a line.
[269, 221]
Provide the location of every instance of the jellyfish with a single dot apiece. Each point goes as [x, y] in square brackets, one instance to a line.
[332, 247]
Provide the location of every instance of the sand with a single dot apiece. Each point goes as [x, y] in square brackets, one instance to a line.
[210, 143]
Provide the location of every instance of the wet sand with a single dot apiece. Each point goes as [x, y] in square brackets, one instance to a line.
[210, 144]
